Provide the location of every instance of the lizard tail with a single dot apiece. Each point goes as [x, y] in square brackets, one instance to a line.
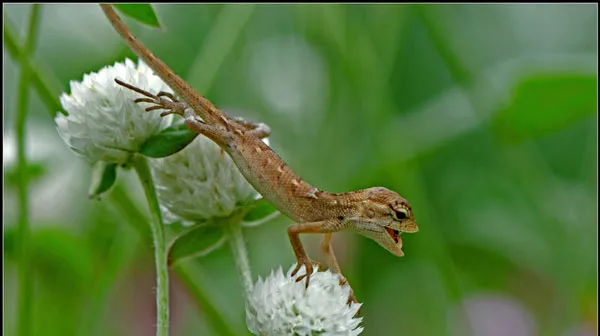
[199, 104]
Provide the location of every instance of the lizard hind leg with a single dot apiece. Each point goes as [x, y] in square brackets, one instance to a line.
[328, 251]
[167, 94]
[334, 266]
[220, 136]
[171, 105]
[259, 130]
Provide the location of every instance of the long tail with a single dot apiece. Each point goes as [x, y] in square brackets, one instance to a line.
[199, 104]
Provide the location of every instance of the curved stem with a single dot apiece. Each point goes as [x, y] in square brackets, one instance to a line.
[42, 79]
[198, 103]
[189, 274]
[25, 278]
[158, 235]
[233, 231]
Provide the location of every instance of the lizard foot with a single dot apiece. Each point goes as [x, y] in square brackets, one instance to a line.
[351, 297]
[171, 105]
[308, 264]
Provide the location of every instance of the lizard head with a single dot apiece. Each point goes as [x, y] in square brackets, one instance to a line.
[384, 216]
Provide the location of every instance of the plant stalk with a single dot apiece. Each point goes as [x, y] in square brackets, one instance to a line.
[233, 232]
[142, 169]
[25, 294]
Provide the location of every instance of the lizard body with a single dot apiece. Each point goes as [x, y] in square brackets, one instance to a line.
[377, 213]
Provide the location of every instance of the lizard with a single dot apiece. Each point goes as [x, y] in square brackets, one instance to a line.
[377, 213]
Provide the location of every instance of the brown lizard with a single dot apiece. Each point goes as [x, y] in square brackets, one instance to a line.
[377, 213]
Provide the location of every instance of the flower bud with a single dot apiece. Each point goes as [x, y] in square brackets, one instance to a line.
[103, 122]
[281, 306]
[200, 182]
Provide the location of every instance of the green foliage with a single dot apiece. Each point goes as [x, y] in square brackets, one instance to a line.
[547, 102]
[195, 241]
[104, 176]
[501, 174]
[260, 209]
[168, 142]
[144, 13]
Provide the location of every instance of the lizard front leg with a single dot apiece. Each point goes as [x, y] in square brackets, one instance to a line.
[259, 130]
[310, 227]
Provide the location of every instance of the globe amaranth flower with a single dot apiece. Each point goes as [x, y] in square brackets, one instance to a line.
[103, 122]
[200, 182]
[281, 306]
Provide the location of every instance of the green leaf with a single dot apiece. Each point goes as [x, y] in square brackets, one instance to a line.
[260, 209]
[195, 241]
[103, 177]
[168, 142]
[544, 103]
[144, 13]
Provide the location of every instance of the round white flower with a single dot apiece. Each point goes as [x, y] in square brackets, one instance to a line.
[281, 306]
[200, 182]
[103, 122]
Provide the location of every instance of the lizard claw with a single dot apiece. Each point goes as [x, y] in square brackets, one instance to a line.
[351, 297]
[308, 264]
[171, 105]
[167, 94]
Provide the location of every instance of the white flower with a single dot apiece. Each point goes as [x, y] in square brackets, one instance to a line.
[103, 122]
[281, 306]
[200, 182]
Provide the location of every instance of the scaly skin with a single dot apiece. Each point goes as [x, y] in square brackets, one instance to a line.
[377, 213]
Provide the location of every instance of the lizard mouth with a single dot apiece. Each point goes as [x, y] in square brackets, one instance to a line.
[395, 235]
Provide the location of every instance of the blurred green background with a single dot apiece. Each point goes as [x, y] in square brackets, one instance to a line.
[483, 116]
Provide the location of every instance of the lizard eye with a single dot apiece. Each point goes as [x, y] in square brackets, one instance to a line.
[400, 214]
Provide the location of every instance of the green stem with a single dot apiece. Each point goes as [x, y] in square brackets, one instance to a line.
[158, 235]
[121, 199]
[233, 232]
[45, 83]
[188, 274]
[25, 279]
